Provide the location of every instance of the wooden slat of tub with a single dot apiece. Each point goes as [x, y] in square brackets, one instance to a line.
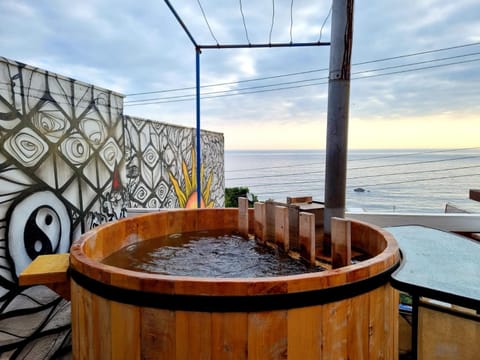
[102, 346]
[158, 334]
[341, 242]
[83, 339]
[267, 335]
[193, 335]
[393, 324]
[229, 216]
[259, 222]
[305, 333]
[334, 338]
[182, 221]
[376, 331]
[125, 323]
[357, 318]
[307, 236]
[281, 228]
[270, 221]
[243, 216]
[75, 314]
[229, 336]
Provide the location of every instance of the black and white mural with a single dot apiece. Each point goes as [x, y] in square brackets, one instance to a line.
[61, 160]
[161, 169]
[69, 161]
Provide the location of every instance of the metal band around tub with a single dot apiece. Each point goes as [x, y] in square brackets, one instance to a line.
[241, 303]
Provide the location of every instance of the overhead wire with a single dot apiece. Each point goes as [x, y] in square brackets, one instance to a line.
[244, 23]
[244, 91]
[291, 22]
[313, 70]
[323, 25]
[208, 24]
[273, 21]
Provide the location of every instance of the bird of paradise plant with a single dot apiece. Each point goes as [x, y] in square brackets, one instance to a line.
[187, 198]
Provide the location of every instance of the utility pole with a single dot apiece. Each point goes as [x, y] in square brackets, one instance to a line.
[337, 116]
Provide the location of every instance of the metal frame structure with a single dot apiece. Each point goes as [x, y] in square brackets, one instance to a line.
[198, 51]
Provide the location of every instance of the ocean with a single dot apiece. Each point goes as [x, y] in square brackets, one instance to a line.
[393, 180]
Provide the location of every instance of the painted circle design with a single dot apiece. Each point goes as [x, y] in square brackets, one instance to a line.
[38, 225]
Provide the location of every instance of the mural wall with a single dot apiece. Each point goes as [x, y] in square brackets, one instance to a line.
[70, 161]
[160, 165]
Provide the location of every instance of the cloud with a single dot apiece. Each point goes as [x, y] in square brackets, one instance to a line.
[133, 47]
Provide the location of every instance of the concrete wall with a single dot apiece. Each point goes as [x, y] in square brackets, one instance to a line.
[69, 161]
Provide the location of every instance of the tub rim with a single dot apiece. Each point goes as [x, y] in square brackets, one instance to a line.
[179, 291]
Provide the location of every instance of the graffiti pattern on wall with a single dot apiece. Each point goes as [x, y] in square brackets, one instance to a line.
[159, 163]
[61, 160]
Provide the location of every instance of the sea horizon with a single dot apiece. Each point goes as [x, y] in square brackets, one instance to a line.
[394, 180]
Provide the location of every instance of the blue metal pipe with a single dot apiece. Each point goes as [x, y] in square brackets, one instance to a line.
[199, 158]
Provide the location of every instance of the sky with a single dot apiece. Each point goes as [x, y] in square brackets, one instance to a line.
[427, 96]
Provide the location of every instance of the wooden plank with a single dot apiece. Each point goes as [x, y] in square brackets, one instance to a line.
[243, 216]
[259, 227]
[341, 243]
[446, 335]
[299, 199]
[293, 229]
[45, 269]
[305, 333]
[270, 221]
[267, 335]
[307, 236]
[357, 318]
[77, 329]
[125, 322]
[229, 336]
[158, 334]
[193, 335]
[102, 330]
[376, 330]
[475, 194]
[85, 340]
[334, 338]
[394, 328]
[282, 228]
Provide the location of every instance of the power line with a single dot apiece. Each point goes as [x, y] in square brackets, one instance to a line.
[273, 20]
[208, 24]
[242, 91]
[309, 80]
[243, 19]
[312, 71]
[324, 22]
[291, 22]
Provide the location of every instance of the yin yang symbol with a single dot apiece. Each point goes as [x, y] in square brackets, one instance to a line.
[39, 224]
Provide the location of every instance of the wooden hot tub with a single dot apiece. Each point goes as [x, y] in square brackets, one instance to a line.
[122, 314]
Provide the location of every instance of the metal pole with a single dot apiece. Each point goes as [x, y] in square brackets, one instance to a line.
[337, 118]
[199, 158]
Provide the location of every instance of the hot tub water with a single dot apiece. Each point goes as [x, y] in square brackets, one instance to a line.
[208, 253]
